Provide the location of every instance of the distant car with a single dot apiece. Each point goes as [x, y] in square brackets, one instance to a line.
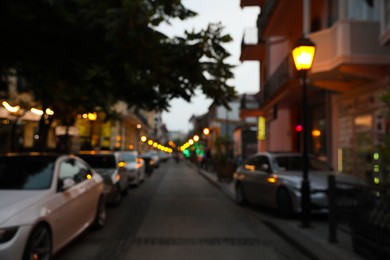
[110, 166]
[274, 179]
[134, 165]
[45, 202]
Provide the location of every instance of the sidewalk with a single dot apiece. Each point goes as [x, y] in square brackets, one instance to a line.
[313, 241]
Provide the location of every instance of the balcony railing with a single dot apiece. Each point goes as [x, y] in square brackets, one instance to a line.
[349, 42]
[277, 80]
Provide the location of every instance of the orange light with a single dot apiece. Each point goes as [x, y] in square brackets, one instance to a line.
[92, 116]
[206, 131]
[121, 164]
[117, 177]
[272, 179]
[316, 133]
[249, 167]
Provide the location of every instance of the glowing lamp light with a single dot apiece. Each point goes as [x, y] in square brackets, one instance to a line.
[143, 138]
[206, 131]
[10, 108]
[92, 116]
[316, 133]
[303, 54]
[298, 128]
[36, 111]
[196, 138]
[49, 112]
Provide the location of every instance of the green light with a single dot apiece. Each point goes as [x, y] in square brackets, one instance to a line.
[376, 168]
[376, 180]
[376, 156]
[187, 153]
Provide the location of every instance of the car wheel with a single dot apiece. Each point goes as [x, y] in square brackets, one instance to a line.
[39, 243]
[285, 205]
[100, 218]
[240, 195]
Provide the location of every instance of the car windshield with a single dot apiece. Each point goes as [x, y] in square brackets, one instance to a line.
[129, 157]
[99, 161]
[26, 172]
[295, 163]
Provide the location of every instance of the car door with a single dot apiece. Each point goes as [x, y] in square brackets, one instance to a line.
[70, 215]
[249, 178]
[262, 179]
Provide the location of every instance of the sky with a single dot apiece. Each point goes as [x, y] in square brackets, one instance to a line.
[235, 20]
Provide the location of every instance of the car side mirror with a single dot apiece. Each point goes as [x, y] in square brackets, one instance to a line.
[67, 183]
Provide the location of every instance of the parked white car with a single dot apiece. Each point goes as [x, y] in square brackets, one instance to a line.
[45, 202]
[135, 166]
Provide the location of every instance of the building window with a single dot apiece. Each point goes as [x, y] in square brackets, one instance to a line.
[362, 10]
[387, 14]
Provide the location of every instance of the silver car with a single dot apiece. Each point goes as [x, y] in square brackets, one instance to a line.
[45, 202]
[111, 167]
[134, 165]
[274, 180]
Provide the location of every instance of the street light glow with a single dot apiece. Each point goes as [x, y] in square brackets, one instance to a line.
[11, 108]
[303, 54]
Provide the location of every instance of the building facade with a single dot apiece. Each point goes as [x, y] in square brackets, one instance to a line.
[349, 73]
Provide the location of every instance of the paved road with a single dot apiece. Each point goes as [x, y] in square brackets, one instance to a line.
[177, 214]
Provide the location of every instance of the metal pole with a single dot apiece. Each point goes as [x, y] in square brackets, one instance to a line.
[332, 238]
[305, 188]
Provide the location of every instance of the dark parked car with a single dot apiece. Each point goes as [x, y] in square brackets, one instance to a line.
[112, 168]
[274, 179]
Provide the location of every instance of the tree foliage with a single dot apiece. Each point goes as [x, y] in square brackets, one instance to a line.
[78, 55]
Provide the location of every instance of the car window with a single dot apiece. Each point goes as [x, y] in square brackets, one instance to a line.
[26, 173]
[72, 169]
[129, 157]
[295, 163]
[261, 160]
[99, 161]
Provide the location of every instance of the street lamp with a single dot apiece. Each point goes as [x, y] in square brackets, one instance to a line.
[303, 54]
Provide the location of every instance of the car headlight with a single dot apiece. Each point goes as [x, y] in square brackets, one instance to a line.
[6, 234]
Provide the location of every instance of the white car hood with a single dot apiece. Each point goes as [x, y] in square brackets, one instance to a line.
[131, 165]
[14, 201]
[318, 180]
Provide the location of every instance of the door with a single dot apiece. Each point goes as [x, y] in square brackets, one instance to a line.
[263, 187]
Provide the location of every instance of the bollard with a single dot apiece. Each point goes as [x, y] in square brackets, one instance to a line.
[332, 209]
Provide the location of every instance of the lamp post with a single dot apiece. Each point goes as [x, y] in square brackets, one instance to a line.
[303, 54]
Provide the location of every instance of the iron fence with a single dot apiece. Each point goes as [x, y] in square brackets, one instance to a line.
[364, 212]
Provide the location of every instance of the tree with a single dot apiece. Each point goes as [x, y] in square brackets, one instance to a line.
[79, 55]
